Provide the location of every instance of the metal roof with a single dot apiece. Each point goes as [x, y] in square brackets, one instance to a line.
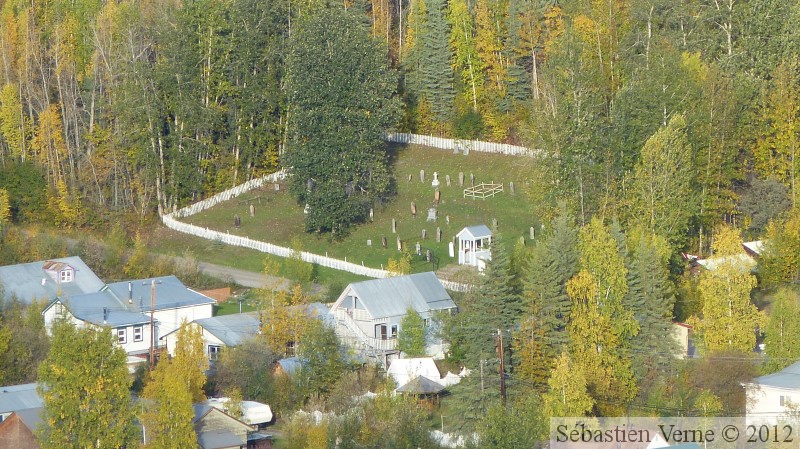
[788, 377]
[421, 385]
[475, 232]
[128, 303]
[232, 329]
[19, 397]
[31, 417]
[29, 281]
[393, 296]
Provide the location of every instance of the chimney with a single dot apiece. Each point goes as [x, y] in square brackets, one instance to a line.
[105, 315]
[130, 293]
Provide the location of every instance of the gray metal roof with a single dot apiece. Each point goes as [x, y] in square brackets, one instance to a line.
[393, 296]
[421, 385]
[788, 377]
[116, 305]
[476, 232]
[322, 312]
[232, 329]
[290, 365]
[19, 397]
[31, 417]
[220, 439]
[29, 281]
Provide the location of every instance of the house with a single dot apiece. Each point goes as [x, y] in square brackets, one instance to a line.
[745, 261]
[218, 430]
[18, 397]
[18, 431]
[220, 331]
[45, 280]
[231, 330]
[139, 312]
[253, 413]
[774, 396]
[412, 370]
[474, 244]
[368, 313]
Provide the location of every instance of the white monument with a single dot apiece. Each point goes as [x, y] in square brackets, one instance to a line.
[435, 182]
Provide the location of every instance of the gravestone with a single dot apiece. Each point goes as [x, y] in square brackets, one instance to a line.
[438, 235]
[410, 177]
[461, 179]
[427, 255]
[252, 210]
[277, 187]
[494, 224]
[418, 249]
[431, 214]
[436, 196]
[383, 242]
[511, 187]
[424, 234]
[451, 249]
[472, 179]
[237, 222]
[447, 219]
[422, 176]
[414, 209]
[371, 214]
[399, 244]
[447, 180]
[435, 182]
[369, 242]
[394, 226]
[532, 233]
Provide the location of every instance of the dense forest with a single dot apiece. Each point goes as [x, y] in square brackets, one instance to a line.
[676, 114]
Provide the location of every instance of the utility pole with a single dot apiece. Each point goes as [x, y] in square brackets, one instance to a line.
[502, 367]
[152, 322]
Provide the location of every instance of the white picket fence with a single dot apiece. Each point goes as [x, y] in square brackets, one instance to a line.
[461, 145]
[171, 222]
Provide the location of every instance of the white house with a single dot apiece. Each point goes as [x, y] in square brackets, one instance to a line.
[474, 244]
[128, 308]
[220, 331]
[368, 313]
[403, 371]
[48, 279]
[774, 397]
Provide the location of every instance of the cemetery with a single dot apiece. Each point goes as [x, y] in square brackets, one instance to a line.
[423, 218]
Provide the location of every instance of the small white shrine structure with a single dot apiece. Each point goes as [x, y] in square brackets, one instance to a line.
[473, 246]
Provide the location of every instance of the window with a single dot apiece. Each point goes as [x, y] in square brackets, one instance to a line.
[138, 333]
[427, 322]
[213, 352]
[122, 335]
[66, 275]
[59, 309]
[290, 349]
[394, 331]
[785, 401]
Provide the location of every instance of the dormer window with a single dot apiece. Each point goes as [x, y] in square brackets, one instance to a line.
[66, 275]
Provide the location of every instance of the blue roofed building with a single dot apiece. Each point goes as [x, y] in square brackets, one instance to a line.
[127, 308]
[18, 397]
[46, 280]
[368, 314]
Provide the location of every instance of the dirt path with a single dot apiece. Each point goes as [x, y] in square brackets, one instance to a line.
[250, 279]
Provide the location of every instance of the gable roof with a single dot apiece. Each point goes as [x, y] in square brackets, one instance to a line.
[403, 370]
[788, 378]
[231, 329]
[475, 232]
[393, 296]
[421, 385]
[31, 417]
[219, 439]
[19, 397]
[29, 281]
[128, 303]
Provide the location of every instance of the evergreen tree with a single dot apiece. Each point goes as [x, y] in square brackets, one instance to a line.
[341, 99]
[651, 299]
[554, 261]
[84, 385]
[411, 338]
[782, 334]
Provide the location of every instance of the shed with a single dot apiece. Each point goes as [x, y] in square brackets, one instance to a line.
[474, 244]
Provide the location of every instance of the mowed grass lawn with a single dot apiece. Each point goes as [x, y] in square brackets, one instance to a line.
[279, 219]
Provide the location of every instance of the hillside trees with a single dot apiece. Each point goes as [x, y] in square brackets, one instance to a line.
[341, 103]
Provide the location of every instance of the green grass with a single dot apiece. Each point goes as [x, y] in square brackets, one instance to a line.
[279, 219]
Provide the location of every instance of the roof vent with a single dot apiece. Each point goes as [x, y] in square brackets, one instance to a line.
[130, 293]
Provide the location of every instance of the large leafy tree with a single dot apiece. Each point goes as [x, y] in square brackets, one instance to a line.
[783, 331]
[411, 339]
[781, 259]
[191, 361]
[168, 418]
[730, 320]
[567, 394]
[84, 384]
[341, 98]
